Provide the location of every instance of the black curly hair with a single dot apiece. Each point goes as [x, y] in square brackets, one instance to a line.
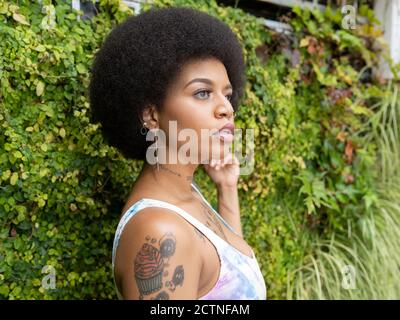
[142, 57]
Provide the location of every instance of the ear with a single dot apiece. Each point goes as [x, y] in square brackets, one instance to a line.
[150, 116]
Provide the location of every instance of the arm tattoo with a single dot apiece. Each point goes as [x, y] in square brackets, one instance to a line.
[199, 233]
[177, 278]
[212, 220]
[161, 296]
[151, 265]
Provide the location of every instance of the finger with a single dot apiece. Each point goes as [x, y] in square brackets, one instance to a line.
[236, 160]
[227, 159]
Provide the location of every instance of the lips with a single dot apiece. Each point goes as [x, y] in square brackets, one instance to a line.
[227, 132]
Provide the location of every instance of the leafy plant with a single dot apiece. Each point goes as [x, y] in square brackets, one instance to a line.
[310, 97]
[372, 249]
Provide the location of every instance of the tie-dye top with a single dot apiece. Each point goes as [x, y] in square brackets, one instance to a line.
[240, 277]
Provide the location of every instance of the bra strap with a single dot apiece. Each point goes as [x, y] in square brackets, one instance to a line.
[146, 202]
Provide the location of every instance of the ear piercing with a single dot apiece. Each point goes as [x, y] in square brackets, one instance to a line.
[143, 129]
[143, 132]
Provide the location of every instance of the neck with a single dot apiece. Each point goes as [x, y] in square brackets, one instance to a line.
[176, 178]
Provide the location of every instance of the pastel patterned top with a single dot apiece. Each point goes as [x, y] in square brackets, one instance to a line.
[240, 277]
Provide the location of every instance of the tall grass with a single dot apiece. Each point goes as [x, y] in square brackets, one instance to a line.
[365, 264]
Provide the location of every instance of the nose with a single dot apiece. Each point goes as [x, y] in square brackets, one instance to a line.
[224, 110]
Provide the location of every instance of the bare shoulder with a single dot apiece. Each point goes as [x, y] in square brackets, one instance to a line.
[157, 257]
[155, 219]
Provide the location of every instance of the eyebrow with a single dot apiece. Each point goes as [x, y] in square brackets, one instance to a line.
[208, 81]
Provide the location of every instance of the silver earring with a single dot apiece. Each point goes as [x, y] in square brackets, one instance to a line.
[143, 129]
[156, 137]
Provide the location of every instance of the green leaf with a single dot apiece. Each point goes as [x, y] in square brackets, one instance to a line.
[18, 243]
[40, 48]
[17, 154]
[39, 88]
[3, 8]
[20, 18]
[62, 133]
[14, 178]
[81, 68]
[4, 290]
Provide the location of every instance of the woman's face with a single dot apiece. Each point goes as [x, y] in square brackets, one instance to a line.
[199, 99]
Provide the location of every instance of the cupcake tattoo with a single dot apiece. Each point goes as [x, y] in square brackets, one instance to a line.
[150, 267]
[177, 278]
[167, 245]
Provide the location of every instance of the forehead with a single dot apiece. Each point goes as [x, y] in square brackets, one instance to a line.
[210, 68]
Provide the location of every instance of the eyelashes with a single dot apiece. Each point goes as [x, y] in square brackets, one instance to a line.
[229, 96]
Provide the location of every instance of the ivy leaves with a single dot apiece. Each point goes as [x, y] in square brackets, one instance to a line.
[48, 200]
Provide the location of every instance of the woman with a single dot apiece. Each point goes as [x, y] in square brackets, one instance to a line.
[181, 66]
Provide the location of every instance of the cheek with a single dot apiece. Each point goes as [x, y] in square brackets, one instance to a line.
[188, 113]
[198, 117]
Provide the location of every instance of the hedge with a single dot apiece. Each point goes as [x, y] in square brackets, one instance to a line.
[62, 189]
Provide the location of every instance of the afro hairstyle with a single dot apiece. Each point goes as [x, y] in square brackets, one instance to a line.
[142, 57]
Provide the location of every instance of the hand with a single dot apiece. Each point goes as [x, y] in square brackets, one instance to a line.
[224, 173]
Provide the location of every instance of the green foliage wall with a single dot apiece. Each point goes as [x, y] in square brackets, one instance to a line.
[62, 189]
[60, 186]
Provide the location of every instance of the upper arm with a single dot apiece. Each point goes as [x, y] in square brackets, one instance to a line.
[156, 259]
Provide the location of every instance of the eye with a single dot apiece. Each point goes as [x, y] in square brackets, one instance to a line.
[202, 91]
[229, 96]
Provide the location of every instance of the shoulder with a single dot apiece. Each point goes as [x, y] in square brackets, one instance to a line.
[156, 242]
[159, 221]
